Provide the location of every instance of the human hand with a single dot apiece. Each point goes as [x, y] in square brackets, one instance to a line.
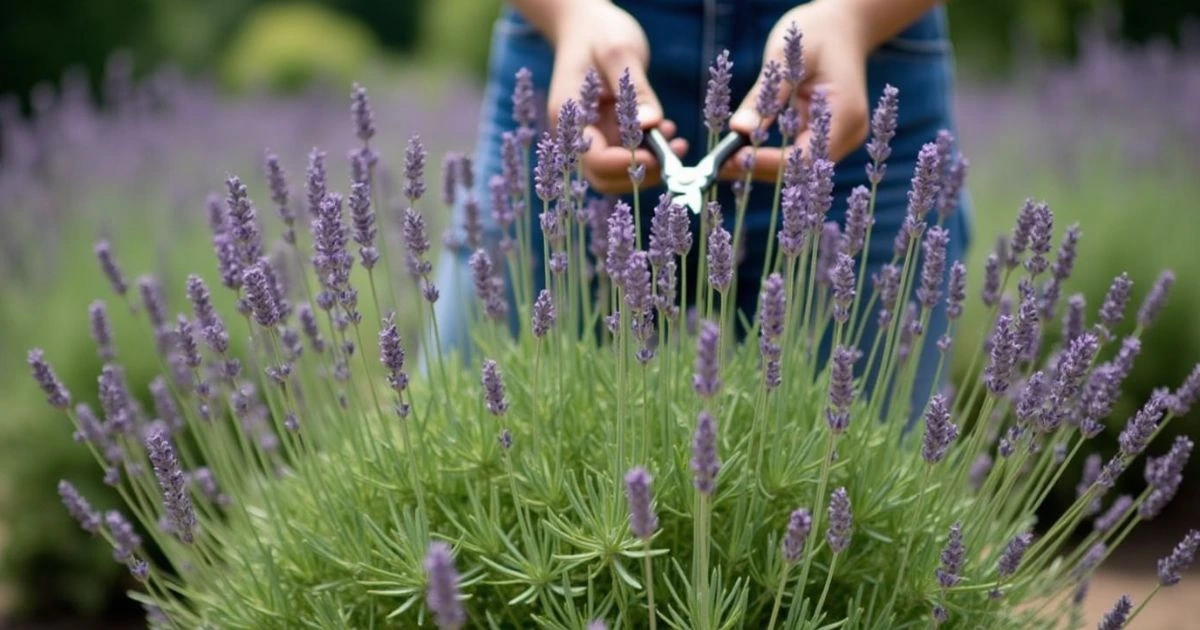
[597, 34]
[835, 49]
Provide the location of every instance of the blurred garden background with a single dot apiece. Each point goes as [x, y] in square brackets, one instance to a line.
[118, 118]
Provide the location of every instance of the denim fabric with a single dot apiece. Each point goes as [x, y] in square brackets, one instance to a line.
[684, 37]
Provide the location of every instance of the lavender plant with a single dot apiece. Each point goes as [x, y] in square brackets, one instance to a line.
[610, 459]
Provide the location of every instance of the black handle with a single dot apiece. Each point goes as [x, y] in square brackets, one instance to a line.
[725, 149]
[658, 144]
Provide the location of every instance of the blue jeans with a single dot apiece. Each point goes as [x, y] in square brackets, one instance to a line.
[685, 36]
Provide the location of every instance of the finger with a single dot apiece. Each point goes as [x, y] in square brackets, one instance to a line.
[608, 171]
[565, 81]
[849, 121]
[766, 164]
[617, 63]
[747, 119]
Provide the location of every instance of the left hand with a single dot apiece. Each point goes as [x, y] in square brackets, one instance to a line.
[835, 59]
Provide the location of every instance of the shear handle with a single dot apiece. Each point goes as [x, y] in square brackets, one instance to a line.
[661, 148]
[729, 144]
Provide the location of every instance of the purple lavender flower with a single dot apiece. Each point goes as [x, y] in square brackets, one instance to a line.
[792, 229]
[1033, 398]
[1073, 320]
[362, 216]
[953, 554]
[125, 540]
[1113, 309]
[493, 388]
[1170, 568]
[1137, 431]
[101, 330]
[1115, 618]
[841, 277]
[717, 96]
[841, 388]
[773, 304]
[956, 291]
[78, 507]
[798, 528]
[793, 55]
[705, 463]
[569, 135]
[820, 119]
[1165, 474]
[185, 338]
[1114, 514]
[260, 296]
[360, 110]
[934, 267]
[707, 380]
[56, 393]
[1091, 473]
[441, 592]
[767, 102]
[416, 241]
[642, 520]
[315, 180]
[243, 221]
[665, 298]
[840, 521]
[118, 405]
[153, 301]
[543, 314]
[177, 503]
[627, 112]
[547, 176]
[450, 172]
[820, 192]
[662, 244]
[620, 242]
[923, 195]
[991, 281]
[1073, 367]
[524, 109]
[414, 169]
[1014, 551]
[488, 287]
[589, 96]
[1188, 393]
[1003, 356]
[108, 265]
[1155, 299]
[277, 182]
[1041, 234]
[940, 432]
[952, 183]
[391, 354]
[887, 285]
[789, 124]
[308, 323]
[1027, 218]
[858, 221]
[883, 129]
[720, 258]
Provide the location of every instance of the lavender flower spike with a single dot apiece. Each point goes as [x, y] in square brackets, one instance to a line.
[717, 97]
[939, 431]
[883, 129]
[707, 380]
[840, 521]
[78, 507]
[177, 503]
[125, 540]
[627, 112]
[799, 526]
[930, 291]
[1112, 311]
[493, 388]
[720, 258]
[642, 520]
[441, 593]
[360, 110]
[1115, 618]
[1114, 514]
[109, 266]
[841, 388]
[391, 353]
[414, 169]
[1141, 426]
[953, 554]
[524, 110]
[1003, 356]
[1171, 567]
[1155, 299]
[841, 277]
[1010, 558]
[956, 291]
[56, 393]
[705, 464]
[543, 314]
[1188, 393]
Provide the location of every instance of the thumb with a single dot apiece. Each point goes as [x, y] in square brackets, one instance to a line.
[747, 119]
[628, 67]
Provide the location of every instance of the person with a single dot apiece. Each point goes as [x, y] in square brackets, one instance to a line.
[852, 49]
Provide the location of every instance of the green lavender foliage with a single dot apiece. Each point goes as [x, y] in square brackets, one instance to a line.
[330, 528]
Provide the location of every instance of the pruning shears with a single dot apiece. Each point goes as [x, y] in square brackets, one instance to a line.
[687, 184]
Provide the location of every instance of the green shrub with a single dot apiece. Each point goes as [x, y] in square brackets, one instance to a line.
[772, 501]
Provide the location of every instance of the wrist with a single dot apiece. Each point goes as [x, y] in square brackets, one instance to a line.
[850, 19]
[570, 15]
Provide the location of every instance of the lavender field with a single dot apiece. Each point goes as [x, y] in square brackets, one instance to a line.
[1112, 142]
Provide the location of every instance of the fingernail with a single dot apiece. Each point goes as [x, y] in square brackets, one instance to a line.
[646, 112]
[744, 118]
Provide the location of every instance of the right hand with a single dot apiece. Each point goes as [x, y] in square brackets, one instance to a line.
[597, 34]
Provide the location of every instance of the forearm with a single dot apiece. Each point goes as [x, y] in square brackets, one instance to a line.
[547, 15]
[877, 21]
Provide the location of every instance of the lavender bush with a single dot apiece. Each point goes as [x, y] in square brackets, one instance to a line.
[614, 461]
